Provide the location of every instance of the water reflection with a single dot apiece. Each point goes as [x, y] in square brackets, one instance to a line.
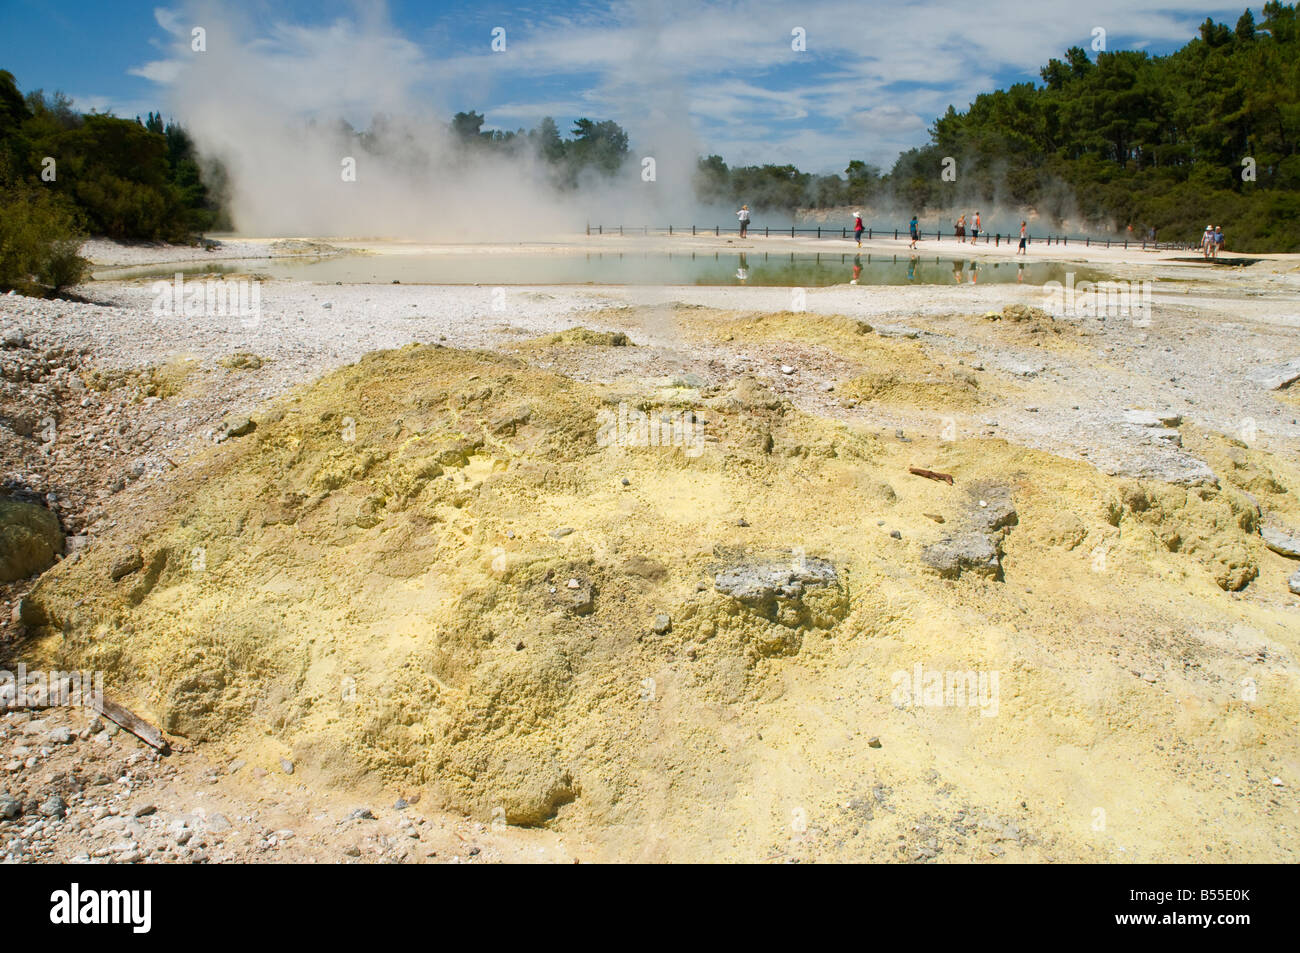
[710, 267]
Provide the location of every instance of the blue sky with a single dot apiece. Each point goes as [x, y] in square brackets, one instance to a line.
[872, 78]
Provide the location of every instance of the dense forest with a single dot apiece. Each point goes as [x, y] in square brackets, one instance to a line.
[1210, 133]
[64, 175]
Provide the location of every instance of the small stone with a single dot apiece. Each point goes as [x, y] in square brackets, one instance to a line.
[400, 804]
[663, 624]
[562, 532]
[1284, 542]
[895, 534]
[127, 561]
[574, 584]
[286, 766]
[354, 851]
[235, 426]
[873, 742]
[235, 765]
[10, 807]
[626, 481]
[1294, 582]
[361, 814]
[54, 806]
[60, 736]
[787, 369]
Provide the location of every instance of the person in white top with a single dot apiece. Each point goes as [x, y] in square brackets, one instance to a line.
[743, 215]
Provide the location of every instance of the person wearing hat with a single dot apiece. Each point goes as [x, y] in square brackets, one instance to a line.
[857, 227]
[1207, 240]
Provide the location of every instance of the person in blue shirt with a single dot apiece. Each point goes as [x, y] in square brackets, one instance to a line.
[915, 228]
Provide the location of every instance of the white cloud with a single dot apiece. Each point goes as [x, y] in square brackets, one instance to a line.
[869, 82]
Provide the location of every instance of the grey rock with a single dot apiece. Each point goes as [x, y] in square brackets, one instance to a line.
[54, 806]
[663, 624]
[10, 806]
[1294, 582]
[13, 337]
[1141, 418]
[897, 331]
[776, 589]
[236, 426]
[60, 736]
[361, 814]
[286, 766]
[758, 582]
[1284, 542]
[1277, 376]
[993, 510]
[969, 552]
[218, 823]
[560, 533]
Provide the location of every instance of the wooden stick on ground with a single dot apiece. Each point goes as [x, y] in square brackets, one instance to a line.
[930, 474]
[130, 721]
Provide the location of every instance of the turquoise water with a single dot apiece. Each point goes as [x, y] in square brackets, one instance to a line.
[631, 268]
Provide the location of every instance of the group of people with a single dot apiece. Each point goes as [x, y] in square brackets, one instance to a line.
[959, 229]
[914, 229]
[1212, 241]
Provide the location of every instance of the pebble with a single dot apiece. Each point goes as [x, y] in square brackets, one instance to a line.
[286, 766]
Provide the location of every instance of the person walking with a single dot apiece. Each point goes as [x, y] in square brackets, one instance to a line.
[961, 228]
[1218, 240]
[743, 216]
[975, 231]
[1207, 239]
[857, 227]
[1023, 238]
[915, 228]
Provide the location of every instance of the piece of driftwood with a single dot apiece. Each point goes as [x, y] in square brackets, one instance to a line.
[124, 718]
[130, 721]
[931, 475]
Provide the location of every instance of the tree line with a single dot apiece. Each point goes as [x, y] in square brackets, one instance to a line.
[1209, 133]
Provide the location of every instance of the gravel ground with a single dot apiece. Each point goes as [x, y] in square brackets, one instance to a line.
[101, 393]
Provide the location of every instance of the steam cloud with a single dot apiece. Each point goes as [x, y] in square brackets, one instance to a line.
[271, 110]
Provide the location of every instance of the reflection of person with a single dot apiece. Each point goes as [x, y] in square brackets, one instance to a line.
[857, 269]
[1021, 249]
[911, 266]
[742, 269]
[915, 228]
[1020, 272]
[958, 268]
[857, 227]
[743, 216]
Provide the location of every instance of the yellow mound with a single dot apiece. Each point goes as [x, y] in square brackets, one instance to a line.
[427, 569]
